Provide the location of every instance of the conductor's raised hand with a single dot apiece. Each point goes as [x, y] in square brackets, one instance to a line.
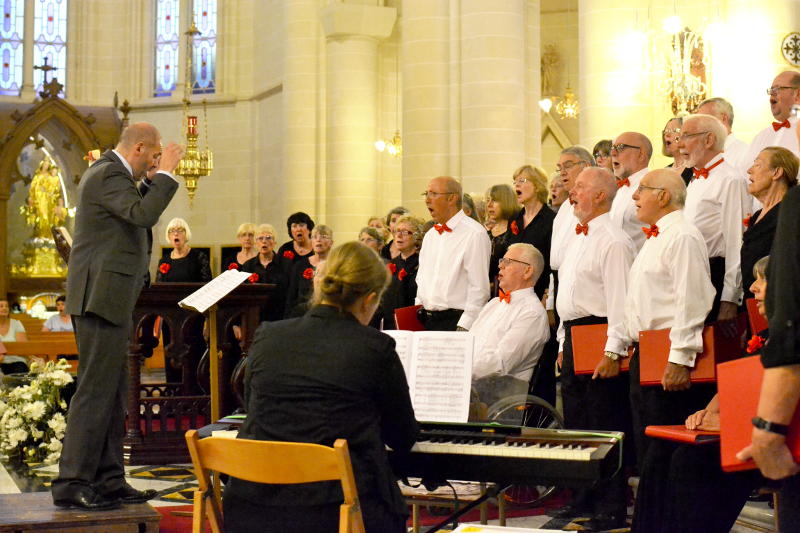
[170, 157]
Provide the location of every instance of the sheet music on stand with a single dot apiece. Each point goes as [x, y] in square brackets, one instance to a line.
[213, 291]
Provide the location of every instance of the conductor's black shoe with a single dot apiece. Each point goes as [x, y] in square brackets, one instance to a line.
[127, 494]
[85, 498]
[605, 522]
[570, 511]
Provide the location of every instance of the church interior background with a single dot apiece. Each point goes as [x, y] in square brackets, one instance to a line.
[291, 96]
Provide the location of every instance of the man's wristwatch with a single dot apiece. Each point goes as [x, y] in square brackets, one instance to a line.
[611, 355]
[772, 427]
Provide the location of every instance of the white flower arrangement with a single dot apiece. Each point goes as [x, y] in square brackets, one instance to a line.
[32, 421]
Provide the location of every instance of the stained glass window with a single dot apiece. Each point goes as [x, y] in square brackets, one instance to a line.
[11, 35]
[167, 42]
[204, 54]
[50, 41]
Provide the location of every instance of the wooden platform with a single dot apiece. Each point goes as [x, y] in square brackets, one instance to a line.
[34, 511]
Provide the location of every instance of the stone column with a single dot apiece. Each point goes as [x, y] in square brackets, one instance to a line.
[300, 169]
[352, 34]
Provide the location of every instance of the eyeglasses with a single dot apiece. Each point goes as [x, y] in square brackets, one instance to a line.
[403, 233]
[367, 239]
[321, 237]
[622, 146]
[505, 261]
[265, 238]
[176, 230]
[772, 91]
[599, 155]
[671, 130]
[685, 135]
[429, 194]
[568, 165]
[640, 188]
[520, 181]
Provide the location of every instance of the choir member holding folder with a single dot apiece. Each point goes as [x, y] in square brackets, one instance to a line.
[593, 280]
[688, 491]
[319, 378]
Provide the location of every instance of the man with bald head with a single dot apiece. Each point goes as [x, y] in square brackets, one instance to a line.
[453, 275]
[107, 268]
[593, 280]
[784, 93]
[735, 149]
[630, 155]
[716, 203]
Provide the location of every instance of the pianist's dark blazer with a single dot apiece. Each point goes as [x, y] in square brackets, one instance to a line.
[318, 378]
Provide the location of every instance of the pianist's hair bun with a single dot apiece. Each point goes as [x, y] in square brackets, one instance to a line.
[351, 271]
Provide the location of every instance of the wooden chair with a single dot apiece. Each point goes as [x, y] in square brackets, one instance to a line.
[269, 462]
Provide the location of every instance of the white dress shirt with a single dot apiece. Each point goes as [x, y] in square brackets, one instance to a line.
[593, 280]
[735, 154]
[563, 231]
[716, 206]
[623, 209]
[130, 169]
[670, 287]
[509, 337]
[454, 269]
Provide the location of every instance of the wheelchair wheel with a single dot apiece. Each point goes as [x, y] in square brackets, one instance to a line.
[530, 411]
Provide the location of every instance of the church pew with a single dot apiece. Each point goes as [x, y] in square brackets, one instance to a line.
[48, 350]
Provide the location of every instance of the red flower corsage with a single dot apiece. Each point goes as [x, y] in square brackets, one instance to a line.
[402, 274]
[392, 267]
[233, 266]
[253, 278]
[746, 221]
[288, 254]
[308, 273]
[514, 228]
[755, 343]
[164, 268]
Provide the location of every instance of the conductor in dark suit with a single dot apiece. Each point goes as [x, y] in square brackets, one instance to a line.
[107, 268]
[319, 378]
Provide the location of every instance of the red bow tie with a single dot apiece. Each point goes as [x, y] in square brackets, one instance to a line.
[441, 228]
[652, 231]
[504, 296]
[778, 125]
[623, 182]
[703, 172]
[582, 228]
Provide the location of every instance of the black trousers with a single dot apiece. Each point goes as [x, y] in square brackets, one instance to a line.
[243, 516]
[599, 404]
[446, 320]
[717, 267]
[92, 453]
[684, 489]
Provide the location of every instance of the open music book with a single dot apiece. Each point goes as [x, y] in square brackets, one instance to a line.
[438, 367]
[213, 291]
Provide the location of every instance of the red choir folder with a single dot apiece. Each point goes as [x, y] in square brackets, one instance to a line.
[588, 346]
[757, 322]
[406, 318]
[679, 433]
[739, 385]
[654, 354]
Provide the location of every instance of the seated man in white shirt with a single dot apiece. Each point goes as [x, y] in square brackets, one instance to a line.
[511, 329]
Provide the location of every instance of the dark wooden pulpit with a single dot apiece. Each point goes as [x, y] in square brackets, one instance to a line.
[160, 413]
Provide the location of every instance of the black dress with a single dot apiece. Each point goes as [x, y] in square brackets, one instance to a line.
[402, 290]
[499, 247]
[194, 267]
[286, 251]
[274, 272]
[315, 379]
[301, 286]
[538, 233]
[756, 243]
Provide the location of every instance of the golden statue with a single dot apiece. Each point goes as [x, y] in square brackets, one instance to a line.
[45, 207]
[43, 210]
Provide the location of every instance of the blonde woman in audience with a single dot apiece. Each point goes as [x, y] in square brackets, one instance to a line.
[318, 378]
[11, 330]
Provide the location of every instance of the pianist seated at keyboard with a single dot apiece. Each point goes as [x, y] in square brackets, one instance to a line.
[318, 378]
[511, 329]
